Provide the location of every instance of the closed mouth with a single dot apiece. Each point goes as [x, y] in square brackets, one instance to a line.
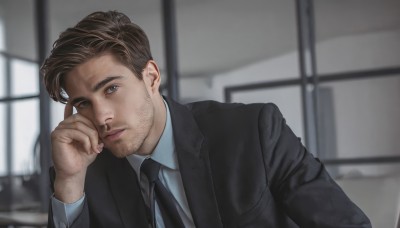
[114, 135]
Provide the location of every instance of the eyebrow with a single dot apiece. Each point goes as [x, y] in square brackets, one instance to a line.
[104, 82]
[98, 86]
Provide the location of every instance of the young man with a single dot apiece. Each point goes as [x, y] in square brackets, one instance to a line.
[221, 165]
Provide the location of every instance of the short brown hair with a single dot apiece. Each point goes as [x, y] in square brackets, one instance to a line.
[97, 33]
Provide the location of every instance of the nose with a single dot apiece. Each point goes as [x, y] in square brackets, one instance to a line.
[103, 115]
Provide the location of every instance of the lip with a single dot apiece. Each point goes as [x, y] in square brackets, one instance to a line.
[114, 135]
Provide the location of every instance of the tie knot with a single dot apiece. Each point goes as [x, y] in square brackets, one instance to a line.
[150, 168]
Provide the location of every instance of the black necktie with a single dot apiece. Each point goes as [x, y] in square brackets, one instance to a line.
[163, 197]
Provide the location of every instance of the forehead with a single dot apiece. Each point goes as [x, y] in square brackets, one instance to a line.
[96, 66]
[94, 70]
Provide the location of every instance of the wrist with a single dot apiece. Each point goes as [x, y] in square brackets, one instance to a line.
[70, 189]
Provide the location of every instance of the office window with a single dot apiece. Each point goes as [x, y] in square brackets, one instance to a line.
[3, 160]
[2, 42]
[288, 100]
[21, 115]
[2, 76]
[24, 78]
[25, 124]
[24, 116]
[366, 119]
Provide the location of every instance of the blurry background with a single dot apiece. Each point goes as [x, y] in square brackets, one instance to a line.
[331, 66]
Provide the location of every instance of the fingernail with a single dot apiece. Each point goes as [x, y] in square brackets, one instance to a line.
[100, 147]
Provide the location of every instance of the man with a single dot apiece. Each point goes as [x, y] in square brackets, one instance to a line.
[222, 165]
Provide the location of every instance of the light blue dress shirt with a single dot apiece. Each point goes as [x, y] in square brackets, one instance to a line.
[164, 153]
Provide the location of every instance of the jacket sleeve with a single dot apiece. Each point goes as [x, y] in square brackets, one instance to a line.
[299, 182]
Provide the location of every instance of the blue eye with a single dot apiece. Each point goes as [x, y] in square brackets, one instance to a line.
[112, 89]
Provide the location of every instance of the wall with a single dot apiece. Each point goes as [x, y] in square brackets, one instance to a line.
[20, 30]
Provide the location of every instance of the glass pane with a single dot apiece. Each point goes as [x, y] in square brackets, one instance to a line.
[288, 100]
[3, 159]
[364, 119]
[2, 60]
[2, 76]
[364, 35]
[2, 40]
[24, 78]
[25, 122]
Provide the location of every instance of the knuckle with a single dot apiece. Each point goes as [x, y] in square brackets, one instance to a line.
[53, 134]
[75, 125]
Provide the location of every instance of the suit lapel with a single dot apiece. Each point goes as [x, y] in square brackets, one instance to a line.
[194, 167]
[127, 194]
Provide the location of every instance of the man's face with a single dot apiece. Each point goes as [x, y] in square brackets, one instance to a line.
[120, 106]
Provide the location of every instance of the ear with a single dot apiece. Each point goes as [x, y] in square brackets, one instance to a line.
[152, 77]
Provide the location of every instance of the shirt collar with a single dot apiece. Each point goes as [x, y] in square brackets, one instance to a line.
[164, 153]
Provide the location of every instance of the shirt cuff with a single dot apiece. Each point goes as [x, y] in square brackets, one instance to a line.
[64, 214]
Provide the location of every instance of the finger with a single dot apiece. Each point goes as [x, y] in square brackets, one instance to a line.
[89, 132]
[72, 136]
[77, 118]
[68, 110]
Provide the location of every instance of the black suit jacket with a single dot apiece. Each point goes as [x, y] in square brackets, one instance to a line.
[241, 166]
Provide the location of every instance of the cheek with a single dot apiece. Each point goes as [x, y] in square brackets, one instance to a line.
[128, 108]
[134, 105]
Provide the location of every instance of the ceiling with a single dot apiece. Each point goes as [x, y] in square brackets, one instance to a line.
[220, 35]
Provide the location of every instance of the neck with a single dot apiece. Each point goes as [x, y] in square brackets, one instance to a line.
[160, 119]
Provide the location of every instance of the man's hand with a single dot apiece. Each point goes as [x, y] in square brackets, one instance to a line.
[75, 145]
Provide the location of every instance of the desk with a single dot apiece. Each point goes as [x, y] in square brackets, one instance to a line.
[26, 219]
